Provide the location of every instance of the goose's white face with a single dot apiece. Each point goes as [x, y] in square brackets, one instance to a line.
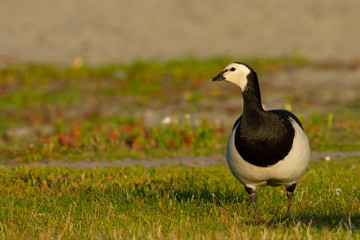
[236, 73]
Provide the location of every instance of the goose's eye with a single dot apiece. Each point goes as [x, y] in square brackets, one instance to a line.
[232, 69]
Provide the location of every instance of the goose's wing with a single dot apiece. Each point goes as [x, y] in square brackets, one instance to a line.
[287, 114]
[237, 121]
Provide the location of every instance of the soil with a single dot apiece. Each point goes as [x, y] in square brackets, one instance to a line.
[199, 161]
[124, 31]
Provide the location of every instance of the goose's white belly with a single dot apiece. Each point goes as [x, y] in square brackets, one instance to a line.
[285, 172]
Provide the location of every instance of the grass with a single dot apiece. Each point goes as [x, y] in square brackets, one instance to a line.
[175, 202]
[108, 140]
[97, 141]
[33, 94]
[99, 112]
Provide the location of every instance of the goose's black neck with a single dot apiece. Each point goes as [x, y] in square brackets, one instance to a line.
[251, 95]
[262, 138]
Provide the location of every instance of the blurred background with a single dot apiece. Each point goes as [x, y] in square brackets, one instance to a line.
[121, 79]
[124, 31]
[92, 93]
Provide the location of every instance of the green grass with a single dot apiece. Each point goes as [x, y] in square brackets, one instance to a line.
[122, 139]
[175, 202]
[333, 131]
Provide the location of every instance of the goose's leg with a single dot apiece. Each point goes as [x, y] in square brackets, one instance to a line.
[289, 193]
[252, 194]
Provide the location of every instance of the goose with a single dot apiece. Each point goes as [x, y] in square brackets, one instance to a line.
[264, 147]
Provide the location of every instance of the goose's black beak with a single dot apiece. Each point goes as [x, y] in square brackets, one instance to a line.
[220, 76]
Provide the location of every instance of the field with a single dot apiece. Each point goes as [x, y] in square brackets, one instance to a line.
[175, 202]
[151, 110]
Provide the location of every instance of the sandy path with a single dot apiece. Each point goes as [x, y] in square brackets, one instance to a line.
[201, 161]
[120, 30]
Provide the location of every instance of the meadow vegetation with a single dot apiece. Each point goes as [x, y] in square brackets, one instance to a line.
[100, 112]
[175, 202]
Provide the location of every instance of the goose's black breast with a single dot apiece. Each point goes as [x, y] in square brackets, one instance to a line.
[265, 139]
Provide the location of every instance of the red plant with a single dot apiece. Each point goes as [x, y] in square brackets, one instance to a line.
[66, 140]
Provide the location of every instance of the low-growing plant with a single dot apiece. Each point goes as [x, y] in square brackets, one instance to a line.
[129, 138]
[175, 202]
[90, 141]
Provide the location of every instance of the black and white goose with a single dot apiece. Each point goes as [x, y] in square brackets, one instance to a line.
[265, 147]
